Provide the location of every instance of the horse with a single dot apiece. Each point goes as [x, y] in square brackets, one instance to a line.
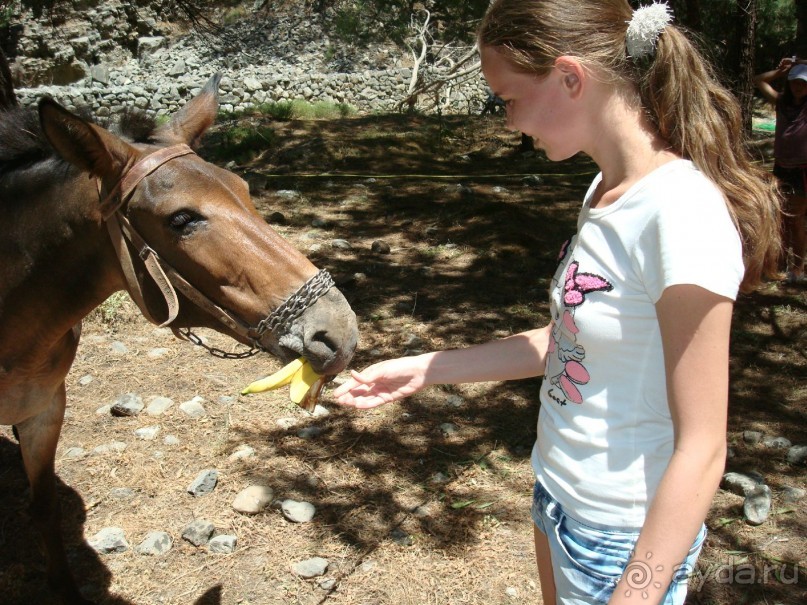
[87, 210]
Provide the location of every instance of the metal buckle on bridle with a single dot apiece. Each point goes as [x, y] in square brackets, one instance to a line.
[169, 280]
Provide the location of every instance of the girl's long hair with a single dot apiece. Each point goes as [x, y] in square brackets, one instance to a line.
[678, 90]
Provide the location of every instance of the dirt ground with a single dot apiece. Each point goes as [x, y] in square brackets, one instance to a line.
[405, 513]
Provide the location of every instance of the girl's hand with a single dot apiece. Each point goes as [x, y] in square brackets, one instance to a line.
[785, 64]
[382, 383]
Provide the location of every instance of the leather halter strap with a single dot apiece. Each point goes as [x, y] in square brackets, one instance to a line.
[167, 279]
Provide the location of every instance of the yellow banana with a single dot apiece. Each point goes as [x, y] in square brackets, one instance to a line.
[302, 381]
[280, 378]
[305, 385]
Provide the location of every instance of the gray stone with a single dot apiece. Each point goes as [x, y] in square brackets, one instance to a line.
[449, 428]
[287, 422]
[380, 247]
[401, 538]
[100, 74]
[253, 499]
[149, 44]
[440, 477]
[147, 433]
[320, 411]
[455, 401]
[119, 348]
[128, 404]
[198, 532]
[298, 512]
[311, 568]
[106, 448]
[797, 455]
[155, 543]
[178, 68]
[309, 432]
[752, 437]
[121, 493]
[204, 483]
[109, 540]
[757, 505]
[223, 544]
[158, 406]
[778, 443]
[791, 495]
[738, 483]
[341, 244]
[193, 407]
[242, 452]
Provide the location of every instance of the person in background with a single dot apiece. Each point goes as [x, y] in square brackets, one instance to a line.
[790, 156]
[631, 441]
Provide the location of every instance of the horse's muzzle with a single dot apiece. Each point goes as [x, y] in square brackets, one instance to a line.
[326, 334]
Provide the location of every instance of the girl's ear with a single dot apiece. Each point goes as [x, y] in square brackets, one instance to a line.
[572, 73]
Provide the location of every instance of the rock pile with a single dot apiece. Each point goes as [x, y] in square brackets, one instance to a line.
[112, 56]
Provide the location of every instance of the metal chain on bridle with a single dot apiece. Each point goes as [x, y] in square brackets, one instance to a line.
[296, 304]
[292, 308]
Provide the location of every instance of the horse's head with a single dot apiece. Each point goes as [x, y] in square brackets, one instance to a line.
[198, 219]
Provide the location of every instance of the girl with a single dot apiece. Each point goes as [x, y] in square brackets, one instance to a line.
[790, 151]
[632, 425]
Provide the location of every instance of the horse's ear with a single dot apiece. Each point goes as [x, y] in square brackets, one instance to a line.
[7, 97]
[196, 116]
[87, 146]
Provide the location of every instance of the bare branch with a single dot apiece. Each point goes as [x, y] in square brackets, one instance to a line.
[437, 69]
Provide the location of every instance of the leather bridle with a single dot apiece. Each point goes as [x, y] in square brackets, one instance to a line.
[168, 280]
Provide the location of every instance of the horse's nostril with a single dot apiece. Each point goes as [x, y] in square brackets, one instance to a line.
[323, 344]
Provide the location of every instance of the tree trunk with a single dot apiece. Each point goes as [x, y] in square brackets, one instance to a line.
[687, 13]
[801, 28]
[746, 28]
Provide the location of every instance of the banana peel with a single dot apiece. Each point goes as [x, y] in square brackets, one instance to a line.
[305, 385]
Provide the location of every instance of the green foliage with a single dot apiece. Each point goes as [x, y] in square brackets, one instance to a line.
[293, 110]
[775, 35]
[360, 22]
[6, 10]
[244, 141]
[109, 311]
[320, 110]
[776, 32]
[241, 143]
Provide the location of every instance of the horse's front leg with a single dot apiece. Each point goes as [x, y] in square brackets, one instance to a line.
[38, 438]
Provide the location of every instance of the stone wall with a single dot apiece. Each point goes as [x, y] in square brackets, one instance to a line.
[109, 56]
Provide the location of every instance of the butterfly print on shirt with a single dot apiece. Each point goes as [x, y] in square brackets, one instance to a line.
[579, 284]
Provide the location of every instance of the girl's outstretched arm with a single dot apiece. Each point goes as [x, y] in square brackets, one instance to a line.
[695, 326]
[519, 356]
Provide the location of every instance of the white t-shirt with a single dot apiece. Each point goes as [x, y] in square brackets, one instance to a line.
[605, 435]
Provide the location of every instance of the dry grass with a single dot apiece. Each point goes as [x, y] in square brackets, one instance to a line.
[371, 474]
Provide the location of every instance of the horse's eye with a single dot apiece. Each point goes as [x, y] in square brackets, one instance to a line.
[183, 220]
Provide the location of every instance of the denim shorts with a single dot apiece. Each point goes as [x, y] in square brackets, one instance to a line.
[588, 560]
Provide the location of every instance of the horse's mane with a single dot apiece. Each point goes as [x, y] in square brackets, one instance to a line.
[22, 141]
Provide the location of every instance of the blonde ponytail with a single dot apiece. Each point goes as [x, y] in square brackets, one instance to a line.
[702, 121]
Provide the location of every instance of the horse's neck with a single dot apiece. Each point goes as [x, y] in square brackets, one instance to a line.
[54, 265]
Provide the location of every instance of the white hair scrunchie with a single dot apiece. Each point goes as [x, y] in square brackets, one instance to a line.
[645, 27]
